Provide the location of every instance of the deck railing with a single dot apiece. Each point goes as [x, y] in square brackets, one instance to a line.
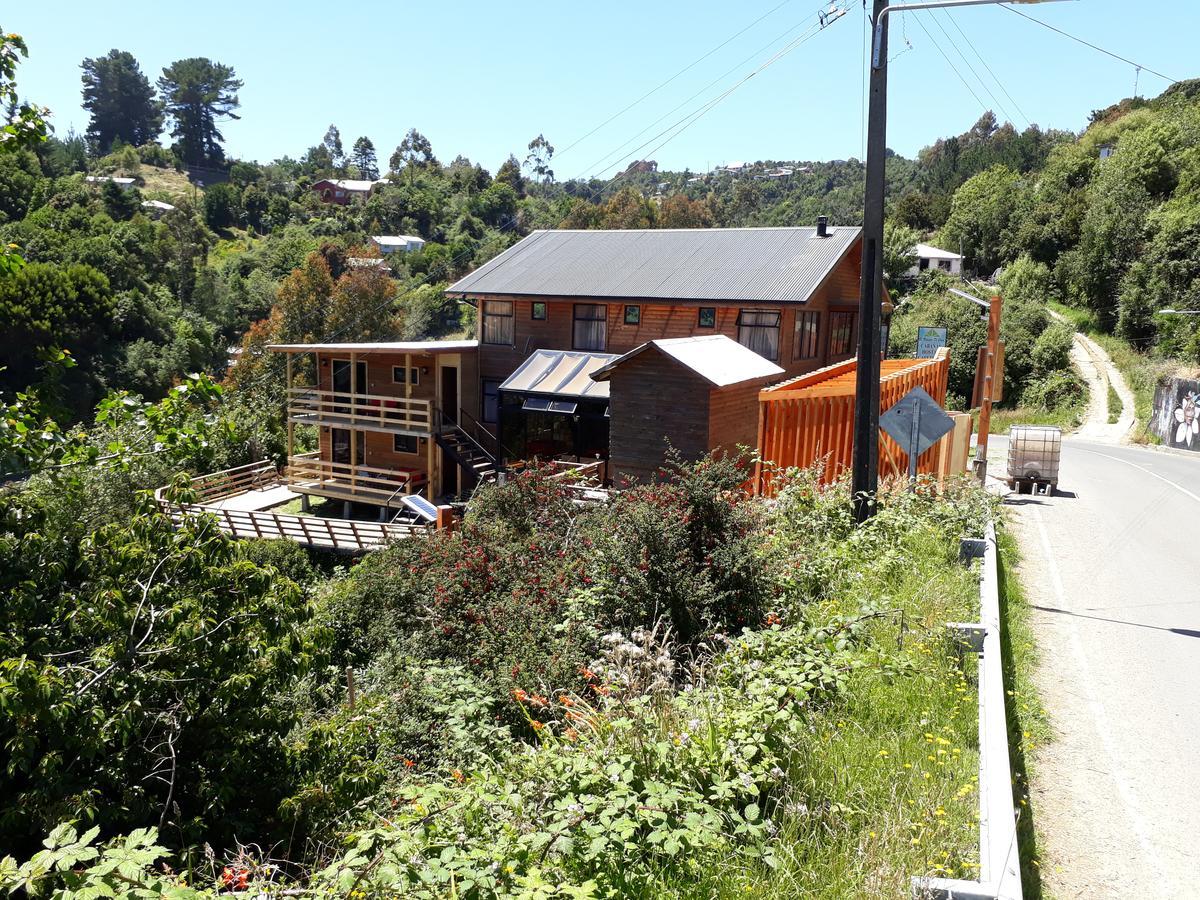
[377, 412]
[315, 531]
[255, 476]
[308, 474]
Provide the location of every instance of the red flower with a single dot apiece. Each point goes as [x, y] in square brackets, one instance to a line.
[408, 764]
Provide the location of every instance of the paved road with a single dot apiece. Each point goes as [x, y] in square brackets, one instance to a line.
[1112, 567]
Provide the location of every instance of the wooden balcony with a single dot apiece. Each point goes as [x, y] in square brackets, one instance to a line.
[307, 474]
[363, 412]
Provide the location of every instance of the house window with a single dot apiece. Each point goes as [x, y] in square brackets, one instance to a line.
[758, 330]
[537, 311]
[707, 317]
[944, 265]
[404, 443]
[923, 264]
[491, 400]
[591, 324]
[398, 374]
[498, 322]
[808, 326]
[633, 315]
[841, 333]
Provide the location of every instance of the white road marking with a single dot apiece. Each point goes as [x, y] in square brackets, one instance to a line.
[1126, 462]
[1099, 715]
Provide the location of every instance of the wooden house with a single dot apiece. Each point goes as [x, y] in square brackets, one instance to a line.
[387, 417]
[695, 394]
[788, 294]
[342, 190]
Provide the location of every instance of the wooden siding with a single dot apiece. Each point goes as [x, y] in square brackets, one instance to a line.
[664, 320]
[733, 416]
[811, 418]
[654, 397]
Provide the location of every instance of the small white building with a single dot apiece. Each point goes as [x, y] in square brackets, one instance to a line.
[393, 243]
[126, 184]
[929, 257]
[157, 207]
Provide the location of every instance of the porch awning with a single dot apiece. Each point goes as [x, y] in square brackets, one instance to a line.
[560, 375]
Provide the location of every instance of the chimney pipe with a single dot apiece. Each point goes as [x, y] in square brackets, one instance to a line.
[822, 226]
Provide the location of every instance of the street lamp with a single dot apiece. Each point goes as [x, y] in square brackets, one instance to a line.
[865, 467]
[992, 316]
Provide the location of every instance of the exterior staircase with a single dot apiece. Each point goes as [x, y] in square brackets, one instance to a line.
[477, 462]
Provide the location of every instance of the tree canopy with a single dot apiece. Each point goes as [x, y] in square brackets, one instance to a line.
[121, 102]
[197, 94]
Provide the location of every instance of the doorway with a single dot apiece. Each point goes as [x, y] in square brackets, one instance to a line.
[450, 409]
[340, 449]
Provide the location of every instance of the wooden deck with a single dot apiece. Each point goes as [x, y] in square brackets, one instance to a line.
[308, 474]
[220, 492]
[361, 412]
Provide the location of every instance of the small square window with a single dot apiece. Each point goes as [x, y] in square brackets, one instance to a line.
[537, 311]
[398, 375]
[633, 315]
[707, 317]
[404, 443]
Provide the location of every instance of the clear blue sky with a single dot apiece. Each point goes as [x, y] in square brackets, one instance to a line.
[483, 78]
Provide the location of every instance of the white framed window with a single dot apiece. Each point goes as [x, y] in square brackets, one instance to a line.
[758, 330]
[498, 322]
[413, 373]
[404, 443]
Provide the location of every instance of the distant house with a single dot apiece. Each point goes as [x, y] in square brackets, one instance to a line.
[342, 190]
[929, 257]
[699, 393]
[735, 168]
[156, 208]
[126, 184]
[392, 243]
[1107, 150]
[367, 262]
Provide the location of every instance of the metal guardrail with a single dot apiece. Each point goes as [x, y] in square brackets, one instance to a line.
[999, 856]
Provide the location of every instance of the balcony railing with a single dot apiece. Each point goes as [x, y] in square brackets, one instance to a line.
[372, 412]
[307, 474]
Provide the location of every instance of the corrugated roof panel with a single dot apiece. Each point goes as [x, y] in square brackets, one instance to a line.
[770, 265]
[559, 373]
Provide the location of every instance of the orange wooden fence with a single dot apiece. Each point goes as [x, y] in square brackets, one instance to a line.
[810, 418]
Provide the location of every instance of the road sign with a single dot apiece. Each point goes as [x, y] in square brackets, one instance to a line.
[916, 423]
[929, 341]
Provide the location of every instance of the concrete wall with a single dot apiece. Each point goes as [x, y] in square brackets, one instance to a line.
[1176, 415]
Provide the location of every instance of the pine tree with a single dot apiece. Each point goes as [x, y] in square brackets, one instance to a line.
[121, 101]
[363, 157]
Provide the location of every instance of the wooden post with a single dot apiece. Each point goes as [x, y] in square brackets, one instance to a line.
[291, 426]
[985, 408]
[350, 686]
[353, 421]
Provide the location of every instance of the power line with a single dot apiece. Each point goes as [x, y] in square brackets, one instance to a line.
[1079, 40]
[950, 62]
[696, 115]
[604, 159]
[970, 68]
[970, 44]
[686, 68]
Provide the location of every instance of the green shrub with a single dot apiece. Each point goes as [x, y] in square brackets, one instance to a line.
[1055, 390]
[1052, 350]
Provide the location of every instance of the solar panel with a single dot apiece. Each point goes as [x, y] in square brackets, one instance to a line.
[420, 506]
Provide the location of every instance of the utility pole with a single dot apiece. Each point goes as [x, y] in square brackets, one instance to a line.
[865, 467]
[989, 378]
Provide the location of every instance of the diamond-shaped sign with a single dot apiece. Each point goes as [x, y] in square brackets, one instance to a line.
[916, 423]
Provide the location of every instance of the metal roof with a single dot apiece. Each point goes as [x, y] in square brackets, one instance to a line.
[396, 240]
[560, 373]
[717, 359]
[758, 265]
[928, 251]
[379, 347]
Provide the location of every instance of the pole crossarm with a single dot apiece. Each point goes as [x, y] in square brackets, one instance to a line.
[877, 44]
